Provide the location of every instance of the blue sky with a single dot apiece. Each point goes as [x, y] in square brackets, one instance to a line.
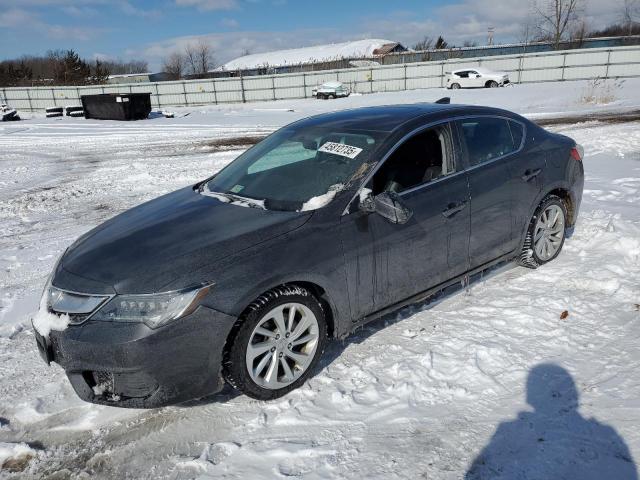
[150, 30]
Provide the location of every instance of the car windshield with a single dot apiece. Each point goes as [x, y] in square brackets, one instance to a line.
[295, 169]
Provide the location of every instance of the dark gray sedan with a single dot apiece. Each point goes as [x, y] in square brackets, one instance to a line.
[329, 223]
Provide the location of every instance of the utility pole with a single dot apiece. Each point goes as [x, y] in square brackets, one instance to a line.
[490, 31]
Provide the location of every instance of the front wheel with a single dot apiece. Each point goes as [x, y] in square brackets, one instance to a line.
[492, 84]
[546, 233]
[276, 344]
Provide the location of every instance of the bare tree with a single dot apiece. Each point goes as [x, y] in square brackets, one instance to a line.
[119, 67]
[198, 57]
[528, 27]
[174, 65]
[579, 33]
[205, 56]
[190, 58]
[630, 14]
[425, 44]
[556, 18]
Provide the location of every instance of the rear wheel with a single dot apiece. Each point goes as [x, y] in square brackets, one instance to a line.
[546, 233]
[276, 344]
[455, 86]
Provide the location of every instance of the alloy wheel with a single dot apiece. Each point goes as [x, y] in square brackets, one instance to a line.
[282, 345]
[549, 232]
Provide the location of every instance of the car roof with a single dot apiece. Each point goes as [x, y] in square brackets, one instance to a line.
[387, 118]
[475, 69]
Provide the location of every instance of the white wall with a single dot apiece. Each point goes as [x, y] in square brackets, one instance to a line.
[583, 64]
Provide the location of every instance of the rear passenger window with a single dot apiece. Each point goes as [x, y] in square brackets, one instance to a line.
[517, 132]
[488, 138]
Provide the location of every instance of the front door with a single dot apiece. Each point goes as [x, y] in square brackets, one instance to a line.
[387, 262]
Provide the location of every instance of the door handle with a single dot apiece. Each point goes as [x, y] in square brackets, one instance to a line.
[529, 174]
[453, 208]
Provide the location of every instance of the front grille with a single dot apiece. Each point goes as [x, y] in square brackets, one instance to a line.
[116, 386]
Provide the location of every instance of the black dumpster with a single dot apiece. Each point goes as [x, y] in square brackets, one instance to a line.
[116, 106]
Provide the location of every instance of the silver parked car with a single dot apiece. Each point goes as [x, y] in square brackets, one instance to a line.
[330, 90]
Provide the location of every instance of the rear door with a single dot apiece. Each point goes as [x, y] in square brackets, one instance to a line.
[492, 158]
[530, 174]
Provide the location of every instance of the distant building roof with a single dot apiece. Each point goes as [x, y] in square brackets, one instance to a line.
[389, 48]
[127, 75]
[315, 54]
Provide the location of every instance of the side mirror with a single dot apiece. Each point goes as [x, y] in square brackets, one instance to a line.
[388, 205]
[478, 75]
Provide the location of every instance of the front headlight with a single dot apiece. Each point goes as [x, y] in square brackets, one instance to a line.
[154, 310]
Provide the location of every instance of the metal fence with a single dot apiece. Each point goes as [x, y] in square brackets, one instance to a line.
[616, 62]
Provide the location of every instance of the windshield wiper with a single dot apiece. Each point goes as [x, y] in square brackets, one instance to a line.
[233, 198]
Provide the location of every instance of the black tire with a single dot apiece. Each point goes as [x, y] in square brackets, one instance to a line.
[333, 96]
[70, 110]
[234, 364]
[492, 84]
[455, 86]
[528, 257]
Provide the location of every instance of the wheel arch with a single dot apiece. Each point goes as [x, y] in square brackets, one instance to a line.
[560, 189]
[569, 202]
[314, 287]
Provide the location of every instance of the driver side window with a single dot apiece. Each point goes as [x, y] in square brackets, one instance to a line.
[426, 156]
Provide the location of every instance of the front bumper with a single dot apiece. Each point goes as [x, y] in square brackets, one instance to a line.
[130, 365]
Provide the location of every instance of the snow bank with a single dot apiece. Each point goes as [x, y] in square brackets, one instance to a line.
[322, 200]
[317, 53]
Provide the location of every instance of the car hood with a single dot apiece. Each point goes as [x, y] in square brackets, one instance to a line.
[149, 246]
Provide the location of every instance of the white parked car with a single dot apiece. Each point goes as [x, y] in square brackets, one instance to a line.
[476, 77]
[330, 90]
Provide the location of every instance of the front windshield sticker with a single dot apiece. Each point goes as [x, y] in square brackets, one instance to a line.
[340, 149]
[237, 188]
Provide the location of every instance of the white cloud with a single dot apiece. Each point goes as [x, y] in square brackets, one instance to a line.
[102, 57]
[16, 18]
[229, 23]
[126, 7]
[206, 5]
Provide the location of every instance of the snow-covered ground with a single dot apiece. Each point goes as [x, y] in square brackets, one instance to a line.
[418, 394]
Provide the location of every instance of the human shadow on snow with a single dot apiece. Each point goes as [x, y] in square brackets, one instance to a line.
[554, 441]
